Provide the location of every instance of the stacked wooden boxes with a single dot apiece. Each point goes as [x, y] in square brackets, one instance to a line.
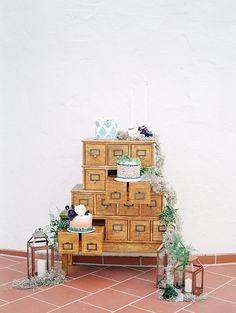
[124, 214]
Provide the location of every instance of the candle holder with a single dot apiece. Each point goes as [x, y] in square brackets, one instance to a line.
[194, 277]
[40, 254]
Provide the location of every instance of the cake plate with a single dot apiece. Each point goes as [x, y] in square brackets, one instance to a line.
[128, 179]
[81, 232]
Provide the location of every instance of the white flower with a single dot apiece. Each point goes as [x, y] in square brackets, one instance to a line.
[133, 132]
[80, 209]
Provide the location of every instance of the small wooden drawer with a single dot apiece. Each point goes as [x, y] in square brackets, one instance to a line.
[68, 243]
[116, 192]
[85, 199]
[140, 230]
[117, 229]
[95, 179]
[92, 243]
[154, 208]
[144, 152]
[104, 208]
[128, 209]
[140, 192]
[94, 154]
[115, 152]
[157, 231]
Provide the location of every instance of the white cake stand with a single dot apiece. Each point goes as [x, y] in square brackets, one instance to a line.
[128, 179]
[81, 232]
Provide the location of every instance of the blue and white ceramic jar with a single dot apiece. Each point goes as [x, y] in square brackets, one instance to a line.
[105, 129]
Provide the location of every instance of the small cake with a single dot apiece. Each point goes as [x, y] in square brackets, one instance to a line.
[82, 221]
[128, 168]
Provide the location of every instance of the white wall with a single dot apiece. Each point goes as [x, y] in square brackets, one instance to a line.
[65, 63]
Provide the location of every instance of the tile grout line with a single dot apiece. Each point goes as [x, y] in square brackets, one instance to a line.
[96, 306]
[91, 293]
[126, 293]
[207, 271]
[134, 301]
[136, 307]
[223, 299]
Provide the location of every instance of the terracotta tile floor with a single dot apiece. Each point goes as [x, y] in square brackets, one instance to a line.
[120, 289]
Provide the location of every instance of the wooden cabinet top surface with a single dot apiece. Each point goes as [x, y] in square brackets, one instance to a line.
[118, 141]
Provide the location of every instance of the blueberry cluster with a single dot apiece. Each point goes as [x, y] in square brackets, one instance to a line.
[71, 212]
[145, 131]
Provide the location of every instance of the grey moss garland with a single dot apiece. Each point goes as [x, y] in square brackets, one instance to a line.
[51, 278]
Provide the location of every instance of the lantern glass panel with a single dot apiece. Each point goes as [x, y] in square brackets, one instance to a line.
[161, 267]
[179, 275]
[199, 280]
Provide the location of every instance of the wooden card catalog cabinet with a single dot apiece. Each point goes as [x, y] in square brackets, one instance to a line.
[127, 211]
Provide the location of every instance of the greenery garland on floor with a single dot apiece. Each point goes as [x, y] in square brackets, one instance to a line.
[50, 278]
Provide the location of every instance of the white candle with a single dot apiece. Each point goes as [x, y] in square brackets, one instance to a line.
[41, 267]
[188, 285]
[145, 101]
[131, 108]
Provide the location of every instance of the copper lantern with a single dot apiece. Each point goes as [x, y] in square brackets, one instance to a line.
[194, 275]
[162, 262]
[40, 255]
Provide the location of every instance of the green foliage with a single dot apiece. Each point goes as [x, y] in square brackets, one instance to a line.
[169, 293]
[57, 222]
[127, 158]
[177, 250]
[168, 216]
[50, 278]
[150, 170]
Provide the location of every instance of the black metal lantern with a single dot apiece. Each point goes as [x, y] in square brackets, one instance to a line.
[40, 254]
[161, 270]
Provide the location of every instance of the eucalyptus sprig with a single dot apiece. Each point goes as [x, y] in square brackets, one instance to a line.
[168, 216]
[126, 158]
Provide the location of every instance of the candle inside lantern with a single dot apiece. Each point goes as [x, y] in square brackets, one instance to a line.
[41, 267]
[188, 285]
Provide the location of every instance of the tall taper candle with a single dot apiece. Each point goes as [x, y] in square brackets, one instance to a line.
[145, 101]
[131, 108]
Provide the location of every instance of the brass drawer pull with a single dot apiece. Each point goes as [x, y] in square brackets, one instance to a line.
[94, 178]
[140, 228]
[84, 201]
[115, 195]
[94, 153]
[117, 227]
[105, 205]
[118, 152]
[92, 246]
[67, 246]
[139, 195]
[161, 228]
[128, 205]
[141, 153]
[153, 204]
